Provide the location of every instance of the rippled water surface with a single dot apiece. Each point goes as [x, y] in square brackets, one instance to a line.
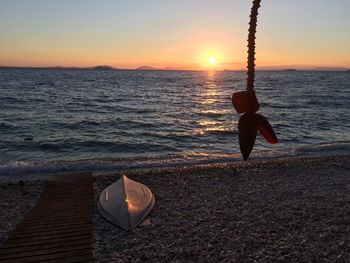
[55, 115]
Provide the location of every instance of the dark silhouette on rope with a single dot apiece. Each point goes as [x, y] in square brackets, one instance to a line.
[246, 102]
[251, 45]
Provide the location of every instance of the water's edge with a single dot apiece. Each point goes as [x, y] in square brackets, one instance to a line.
[14, 168]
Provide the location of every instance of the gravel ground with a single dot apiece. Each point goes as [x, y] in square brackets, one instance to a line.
[295, 210]
[16, 200]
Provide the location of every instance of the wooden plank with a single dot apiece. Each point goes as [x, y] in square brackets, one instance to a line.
[46, 251]
[23, 234]
[54, 222]
[53, 226]
[47, 245]
[58, 220]
[49, 257]
[59, 227]
[72, 259]
[58, 214]
[47, 241]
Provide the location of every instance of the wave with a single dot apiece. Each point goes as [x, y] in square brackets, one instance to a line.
[106, 146]
[324, 148]
[213, 132]
[4, 126]
[120, 123]
[14, 168]
[221, 131]
[212, 113]
[51, 84]
[10, 100]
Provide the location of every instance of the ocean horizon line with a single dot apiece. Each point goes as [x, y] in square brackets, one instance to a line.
[151, 68]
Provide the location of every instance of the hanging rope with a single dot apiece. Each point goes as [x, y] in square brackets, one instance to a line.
[251, 45]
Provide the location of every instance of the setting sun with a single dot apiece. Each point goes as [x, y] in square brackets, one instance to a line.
[212, 60]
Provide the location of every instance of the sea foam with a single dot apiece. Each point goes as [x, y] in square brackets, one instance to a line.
[14, 168]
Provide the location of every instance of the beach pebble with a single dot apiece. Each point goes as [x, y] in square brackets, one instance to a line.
[259, 211]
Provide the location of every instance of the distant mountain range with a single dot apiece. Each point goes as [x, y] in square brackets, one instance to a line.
[146, 67]
[150, 68]
[100, 67]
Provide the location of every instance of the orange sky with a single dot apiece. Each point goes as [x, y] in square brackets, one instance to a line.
[177, 34]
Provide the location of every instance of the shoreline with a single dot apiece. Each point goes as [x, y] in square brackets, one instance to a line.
[269, 210]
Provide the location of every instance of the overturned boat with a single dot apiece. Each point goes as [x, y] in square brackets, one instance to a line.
[126, 202]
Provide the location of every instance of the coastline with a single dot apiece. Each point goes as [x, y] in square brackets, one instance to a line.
[292, 209]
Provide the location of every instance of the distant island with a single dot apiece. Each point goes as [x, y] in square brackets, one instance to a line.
[104, 67]
[146, 68]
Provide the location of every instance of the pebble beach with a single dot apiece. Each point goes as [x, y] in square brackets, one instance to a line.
[283, 210]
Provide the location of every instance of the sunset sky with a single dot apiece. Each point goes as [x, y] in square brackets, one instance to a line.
[186, 34]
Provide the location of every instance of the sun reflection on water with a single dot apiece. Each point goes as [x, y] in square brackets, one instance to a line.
[214, 112]
[210, 95]
[208, 101]
[207, 122]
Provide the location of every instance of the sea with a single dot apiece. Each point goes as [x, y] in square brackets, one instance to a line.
[60, 120]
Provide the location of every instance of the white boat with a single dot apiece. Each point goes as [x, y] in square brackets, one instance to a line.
[126, 202]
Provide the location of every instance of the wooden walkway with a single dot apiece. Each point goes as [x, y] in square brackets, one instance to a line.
[59, 227]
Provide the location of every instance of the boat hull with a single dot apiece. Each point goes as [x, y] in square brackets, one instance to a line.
[126, 203]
